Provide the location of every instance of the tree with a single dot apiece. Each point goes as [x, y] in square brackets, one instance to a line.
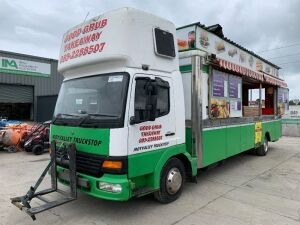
[291, 102]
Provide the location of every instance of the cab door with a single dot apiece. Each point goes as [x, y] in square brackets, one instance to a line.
[151, 130]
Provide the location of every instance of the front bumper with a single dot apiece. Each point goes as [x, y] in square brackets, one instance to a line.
[89, 185]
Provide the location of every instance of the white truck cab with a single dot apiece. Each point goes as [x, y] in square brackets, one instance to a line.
[122, 87]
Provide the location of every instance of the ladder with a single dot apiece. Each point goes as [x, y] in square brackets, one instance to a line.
[23, 202]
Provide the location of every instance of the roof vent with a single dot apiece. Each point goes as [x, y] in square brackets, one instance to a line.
[216, 29]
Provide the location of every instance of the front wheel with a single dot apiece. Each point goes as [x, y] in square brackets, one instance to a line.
[38, 149]
[263, 149]
[171, 181]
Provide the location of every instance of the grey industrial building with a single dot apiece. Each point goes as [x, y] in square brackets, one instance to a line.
[29, 86]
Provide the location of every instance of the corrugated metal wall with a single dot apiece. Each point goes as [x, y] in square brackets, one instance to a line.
[16, 94]
[43, 86]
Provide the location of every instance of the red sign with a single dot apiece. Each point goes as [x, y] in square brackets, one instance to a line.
[84, 40]
[150, 133]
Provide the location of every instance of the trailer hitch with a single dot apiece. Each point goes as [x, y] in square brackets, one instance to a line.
[23, 202]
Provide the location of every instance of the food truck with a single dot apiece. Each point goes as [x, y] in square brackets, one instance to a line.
[143, 106]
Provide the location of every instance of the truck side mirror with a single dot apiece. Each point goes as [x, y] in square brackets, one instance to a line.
[132, 120]
[151, 105]
[145, 101]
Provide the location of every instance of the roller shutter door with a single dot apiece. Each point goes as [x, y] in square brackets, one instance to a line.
[16, 94]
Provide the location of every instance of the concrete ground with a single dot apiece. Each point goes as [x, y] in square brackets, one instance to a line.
[246, 189]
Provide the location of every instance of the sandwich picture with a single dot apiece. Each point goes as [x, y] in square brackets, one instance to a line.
[242, 57]
[251, 61]
[204, 41]
[220, 47]
[232, 52]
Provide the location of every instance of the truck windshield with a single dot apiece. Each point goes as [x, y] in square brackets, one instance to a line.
[95, 101]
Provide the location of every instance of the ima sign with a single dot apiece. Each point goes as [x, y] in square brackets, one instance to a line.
[24, 67]
[9, 63]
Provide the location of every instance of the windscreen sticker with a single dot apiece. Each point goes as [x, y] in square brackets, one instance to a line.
[115, 79]
[79, 101]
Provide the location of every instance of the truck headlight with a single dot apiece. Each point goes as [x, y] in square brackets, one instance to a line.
[115, 188]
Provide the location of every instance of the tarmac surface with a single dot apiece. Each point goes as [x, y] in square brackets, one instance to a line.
[246, 189]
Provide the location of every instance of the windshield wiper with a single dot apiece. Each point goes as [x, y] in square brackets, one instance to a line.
[88, 116]
[59, 116]
[99, 114]
[65, 114]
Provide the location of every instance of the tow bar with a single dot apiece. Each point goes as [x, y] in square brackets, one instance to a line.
[23, 202]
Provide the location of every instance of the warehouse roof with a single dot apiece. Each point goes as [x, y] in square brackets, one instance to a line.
[25, 55]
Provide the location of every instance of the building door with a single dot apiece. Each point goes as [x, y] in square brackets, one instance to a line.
[16, 101]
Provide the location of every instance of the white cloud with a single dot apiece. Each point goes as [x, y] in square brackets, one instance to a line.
[36, 27]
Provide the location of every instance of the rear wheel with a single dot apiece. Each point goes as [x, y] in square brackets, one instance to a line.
[171, 181]
[37, 149]
[263, 149]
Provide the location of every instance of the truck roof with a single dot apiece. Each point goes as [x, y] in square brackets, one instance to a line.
[117, 39]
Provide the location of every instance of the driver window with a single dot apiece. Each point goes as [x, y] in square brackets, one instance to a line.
[140, 100]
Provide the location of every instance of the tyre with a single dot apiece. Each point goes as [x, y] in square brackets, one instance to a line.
[37, 149]
[27, 149]
[263, 149]
[172, 180]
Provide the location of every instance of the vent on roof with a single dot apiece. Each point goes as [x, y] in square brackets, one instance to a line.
[216, 29]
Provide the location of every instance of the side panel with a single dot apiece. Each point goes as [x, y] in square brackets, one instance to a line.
[247, 137]
[222, 142]
[214, 145]
[274, 128]
[233, 140]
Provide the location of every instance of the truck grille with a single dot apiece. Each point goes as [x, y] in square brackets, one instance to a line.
[89, 164]
[86, 163]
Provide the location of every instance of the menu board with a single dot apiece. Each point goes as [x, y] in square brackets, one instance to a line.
[219, 86]
[234, 86]
[226, 95]
[219, 106]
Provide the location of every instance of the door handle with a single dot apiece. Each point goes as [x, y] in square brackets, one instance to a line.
[169, 134]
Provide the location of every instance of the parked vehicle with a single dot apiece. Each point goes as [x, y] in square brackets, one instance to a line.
[136, 116]
[37, 141]
[12, 133]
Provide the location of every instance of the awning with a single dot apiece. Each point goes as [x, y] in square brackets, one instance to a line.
[275, 81]
[250, 73]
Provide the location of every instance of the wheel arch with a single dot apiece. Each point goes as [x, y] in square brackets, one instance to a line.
[190, 164]
[268, 136]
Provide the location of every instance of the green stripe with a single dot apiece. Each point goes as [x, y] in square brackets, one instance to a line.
[188, 68]
[26, 73]
[205, 68]
[185, 68]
